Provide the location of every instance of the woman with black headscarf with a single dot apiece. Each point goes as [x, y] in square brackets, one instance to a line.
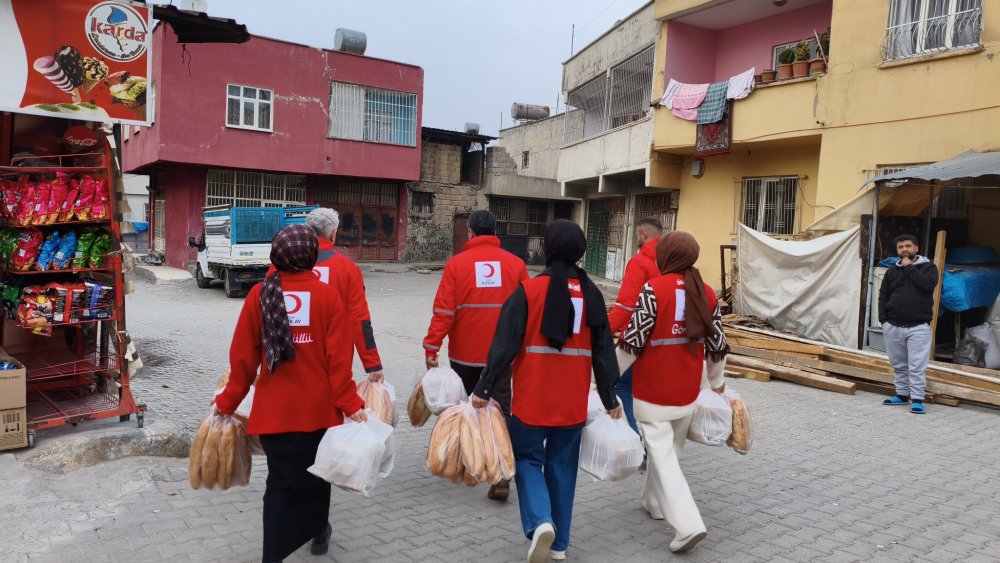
[676, 332]
[554, 328]
[295, 330]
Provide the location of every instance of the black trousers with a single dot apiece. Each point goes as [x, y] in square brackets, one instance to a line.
[296, 502]
[470, 377]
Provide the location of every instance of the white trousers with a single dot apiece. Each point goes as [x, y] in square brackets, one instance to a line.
[666, 490]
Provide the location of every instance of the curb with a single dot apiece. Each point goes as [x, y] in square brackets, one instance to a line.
[148, 274]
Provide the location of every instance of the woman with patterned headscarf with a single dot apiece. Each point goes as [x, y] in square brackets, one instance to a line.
[676, 333]
[295, 330]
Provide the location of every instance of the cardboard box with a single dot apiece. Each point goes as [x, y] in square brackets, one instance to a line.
[13, 429]
[12, 386]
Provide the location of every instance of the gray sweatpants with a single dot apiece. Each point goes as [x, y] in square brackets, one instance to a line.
[909, 351]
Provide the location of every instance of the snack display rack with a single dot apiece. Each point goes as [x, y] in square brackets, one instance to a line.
[76, 370]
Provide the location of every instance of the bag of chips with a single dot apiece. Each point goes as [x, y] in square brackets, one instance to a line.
[76, 293]
[66, 209]
[29, 242]
[97, 257]
[82, 255]
[84, 199]
[25, 205]
[35, 311]
[59, 294]
[100, 208]
[58, 191]
[48, 251]
[41, 202]
[8, 242]
[65, 252]
[9, 193]
[98, 300]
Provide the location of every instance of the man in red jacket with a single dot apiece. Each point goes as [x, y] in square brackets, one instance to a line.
[337, 270]
[475, 284]
[640, 269]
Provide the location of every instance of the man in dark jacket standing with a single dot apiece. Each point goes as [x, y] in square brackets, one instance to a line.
[905, 308]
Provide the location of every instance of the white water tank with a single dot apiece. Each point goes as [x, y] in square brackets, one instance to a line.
[471, 128]
[350, 41]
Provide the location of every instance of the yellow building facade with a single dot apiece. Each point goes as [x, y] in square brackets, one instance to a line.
[907, 82]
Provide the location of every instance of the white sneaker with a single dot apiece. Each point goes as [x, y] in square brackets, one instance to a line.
[557, 555]
[687, 543]
[541, 543]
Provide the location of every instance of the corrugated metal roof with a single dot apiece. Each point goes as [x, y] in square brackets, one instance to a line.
[981, 166]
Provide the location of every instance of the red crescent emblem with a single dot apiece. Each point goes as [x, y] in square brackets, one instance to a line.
[317, 274]
[493, 270]
[296, 304]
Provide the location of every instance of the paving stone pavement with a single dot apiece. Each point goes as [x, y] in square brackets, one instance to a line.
[830, 477]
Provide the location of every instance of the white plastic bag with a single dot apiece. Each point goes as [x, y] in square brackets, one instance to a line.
[609, 449]
[712, 421]
[595, 406]
[354, 456]
[443, 388]
[991, 357]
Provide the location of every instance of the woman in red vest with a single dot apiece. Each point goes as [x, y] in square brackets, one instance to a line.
[676, 324]
[296, 330]
[554, 329]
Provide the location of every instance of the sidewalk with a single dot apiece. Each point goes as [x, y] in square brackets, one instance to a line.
[161, 274]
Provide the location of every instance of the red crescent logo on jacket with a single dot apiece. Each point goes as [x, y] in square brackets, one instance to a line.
[297, 304]
[488, 274]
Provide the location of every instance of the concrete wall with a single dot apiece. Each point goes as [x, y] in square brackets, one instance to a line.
[619, 150]
[542, 139]
[441, 163]
[632, 35]
[191, 109]
[502, 178]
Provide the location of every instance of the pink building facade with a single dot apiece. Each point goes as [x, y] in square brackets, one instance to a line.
[269, 122]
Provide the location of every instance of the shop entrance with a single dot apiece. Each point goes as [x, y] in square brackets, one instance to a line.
[369, 212]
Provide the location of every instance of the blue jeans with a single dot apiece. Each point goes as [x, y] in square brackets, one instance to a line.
[547, 460]
[624, 390]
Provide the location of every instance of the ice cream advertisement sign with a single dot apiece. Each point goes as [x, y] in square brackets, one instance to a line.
[77, 59]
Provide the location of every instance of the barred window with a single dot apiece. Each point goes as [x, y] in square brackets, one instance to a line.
[422, 202]
[770, 204]
[241, 188]
[520, 217]
[616, 98]
[359, 113]
[249, 108]
[918, 27]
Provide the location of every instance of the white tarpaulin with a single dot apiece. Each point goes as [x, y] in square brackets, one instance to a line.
[809, 288]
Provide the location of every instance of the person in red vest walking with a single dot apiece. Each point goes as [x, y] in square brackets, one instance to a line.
[554, 329]
[294, 330]
[640, 269]
[676, 333]
[473, 288]
[337, 270]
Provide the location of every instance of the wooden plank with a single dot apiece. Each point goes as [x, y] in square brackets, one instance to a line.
[768, 354]
[729, 373]
[751, 373]
[884, 389]
[939, 254]
[933, 375]
[776, 345]
[796, 375]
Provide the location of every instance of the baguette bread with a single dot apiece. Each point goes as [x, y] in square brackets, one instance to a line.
[244, 461]
[504, 449]
[210, 456]
[471, 444]
[437, 449]
[491, 457]
[742, 436]
[227, 455]
[194, 461]
[416, 408]
[223, 381]
[453, 466]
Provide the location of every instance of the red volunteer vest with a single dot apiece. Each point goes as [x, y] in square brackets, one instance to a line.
[668, 373]
[550, 386]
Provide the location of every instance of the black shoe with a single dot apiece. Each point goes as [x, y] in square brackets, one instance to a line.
[500, 491]
[321, 543]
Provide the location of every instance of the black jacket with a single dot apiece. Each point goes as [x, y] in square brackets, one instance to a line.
[906, 298]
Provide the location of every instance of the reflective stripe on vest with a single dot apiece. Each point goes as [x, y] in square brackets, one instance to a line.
[564, 352]
[444, 312]
[673, 341]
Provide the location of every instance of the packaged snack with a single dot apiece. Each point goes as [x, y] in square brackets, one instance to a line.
[57, 196]
[8, 242]
[48, 251]
[84, 199]
[66, 209]
[59, 294]
[97, 257]
[40, 206]
[98, 300]
[25, 204]
[9, 193]
[29, 242]
[102, 199]
[65, 252]
[76, 293]
[82, 255]
[35, 311]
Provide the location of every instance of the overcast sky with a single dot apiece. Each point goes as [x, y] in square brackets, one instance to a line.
[478, 56]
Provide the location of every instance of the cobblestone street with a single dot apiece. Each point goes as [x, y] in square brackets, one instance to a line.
[830, 478]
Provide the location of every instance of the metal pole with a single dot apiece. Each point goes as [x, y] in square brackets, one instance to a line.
[930, 214]
[872, 236]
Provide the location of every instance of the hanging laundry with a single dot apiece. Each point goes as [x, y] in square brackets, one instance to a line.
[687, 99]
[741, 85]
[715, 138]
[714, 104]
[667, 100]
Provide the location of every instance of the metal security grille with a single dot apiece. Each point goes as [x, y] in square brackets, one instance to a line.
[330, 192]
[769, 204]
[369, 211]
[520, 217]
[421, 202]
[661, 206]
[605, 229]
[918, 27]
[159, 226]
[241, 188]
[614, 99]
[359, 113]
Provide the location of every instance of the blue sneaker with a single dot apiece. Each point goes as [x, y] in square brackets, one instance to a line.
[896, 401]
[918, 408]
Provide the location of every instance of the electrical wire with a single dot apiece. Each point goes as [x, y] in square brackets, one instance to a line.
[602, 12]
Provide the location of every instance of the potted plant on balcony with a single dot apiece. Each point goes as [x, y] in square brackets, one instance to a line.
[767, 75]
[800, 68]
[818, 65]
[785, 60]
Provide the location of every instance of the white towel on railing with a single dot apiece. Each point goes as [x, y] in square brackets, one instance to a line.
[741, 85]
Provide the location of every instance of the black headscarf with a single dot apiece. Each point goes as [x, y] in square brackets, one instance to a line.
[564, 246]
[294, 249]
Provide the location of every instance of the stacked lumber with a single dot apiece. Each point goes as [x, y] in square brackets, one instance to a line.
[763, 355]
